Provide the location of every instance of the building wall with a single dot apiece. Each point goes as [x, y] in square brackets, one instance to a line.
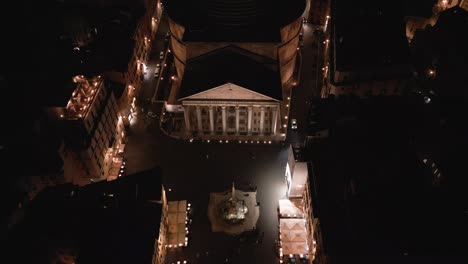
[289, 49]
[104, 131]
[285, 52]
[368, 88]
[161, 241]
[318, 11]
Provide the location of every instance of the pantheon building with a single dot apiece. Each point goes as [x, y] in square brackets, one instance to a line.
[236, 64]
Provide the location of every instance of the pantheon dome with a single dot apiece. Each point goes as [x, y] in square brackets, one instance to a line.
[233, 20]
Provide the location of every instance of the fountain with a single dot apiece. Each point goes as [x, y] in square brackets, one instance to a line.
[233, 210]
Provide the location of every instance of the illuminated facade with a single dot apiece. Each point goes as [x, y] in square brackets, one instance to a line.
[299, 181]
[160, 246]
[94, 136]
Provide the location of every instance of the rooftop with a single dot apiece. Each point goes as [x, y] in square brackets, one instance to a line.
[232, 65]
[420, 8]
[389, 204]
[79, 104]
[234, 20]
[375, 38]
[105, 222]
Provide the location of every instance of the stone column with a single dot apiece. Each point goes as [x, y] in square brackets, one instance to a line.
[223, 108]
[199, 119]
[249, 120]
[187, 118]
[211, 119]
[237, 119]
[262, 119]
[274, 120]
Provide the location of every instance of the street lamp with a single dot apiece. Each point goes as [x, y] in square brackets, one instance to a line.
[431, 72]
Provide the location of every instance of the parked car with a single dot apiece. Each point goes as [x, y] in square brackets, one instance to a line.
[293, 124]
[152, 114]
[156, 71]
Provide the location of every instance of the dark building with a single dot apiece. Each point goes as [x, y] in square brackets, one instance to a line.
[440, 53]
[367, 50]
[389, 188]
[106, 222]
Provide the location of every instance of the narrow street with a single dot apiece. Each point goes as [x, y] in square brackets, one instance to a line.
[310, 84]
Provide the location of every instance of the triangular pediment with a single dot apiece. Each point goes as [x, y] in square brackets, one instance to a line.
[229, 91]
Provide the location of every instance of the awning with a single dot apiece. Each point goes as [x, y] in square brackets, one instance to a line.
[293, 236]
[177, 217]
[294, 248]
[291, 208]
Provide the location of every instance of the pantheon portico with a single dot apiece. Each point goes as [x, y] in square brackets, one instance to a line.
[230, 110]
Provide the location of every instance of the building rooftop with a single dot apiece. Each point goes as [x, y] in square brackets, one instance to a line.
[389, 206]
[234, 20]
[375, 38]
[82, 97]
[420, 8]
[109, 49]
[105, 222]
[231, 65]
